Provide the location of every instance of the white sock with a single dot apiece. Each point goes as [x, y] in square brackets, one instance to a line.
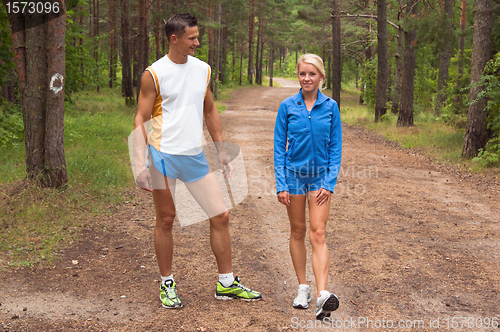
[226, 279]
[163, 279]
[324, 293]
[303, 287]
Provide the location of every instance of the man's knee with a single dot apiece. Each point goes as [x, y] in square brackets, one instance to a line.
[165, 220]
[221, 220]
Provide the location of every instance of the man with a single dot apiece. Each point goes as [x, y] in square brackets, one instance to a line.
[175, 95]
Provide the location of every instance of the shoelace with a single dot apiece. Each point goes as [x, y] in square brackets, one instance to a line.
[246, 289]
[170, 292]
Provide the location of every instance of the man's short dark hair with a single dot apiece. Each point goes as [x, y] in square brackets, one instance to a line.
[177, 24]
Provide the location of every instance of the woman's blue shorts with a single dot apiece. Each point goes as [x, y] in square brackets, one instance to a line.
[300, 184]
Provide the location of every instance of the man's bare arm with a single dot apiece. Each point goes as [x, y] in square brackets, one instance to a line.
[147, 97]
[212, 119]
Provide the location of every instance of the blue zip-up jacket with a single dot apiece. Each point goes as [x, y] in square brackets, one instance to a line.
[314, 141]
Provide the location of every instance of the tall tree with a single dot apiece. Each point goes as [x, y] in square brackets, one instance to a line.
[142, 40]
[158, 32]
[95, 35]
[336, 54]
[112, 42]
[396, 92]
[476, 134]
[251, 31]
[127, 86]
[39, 50]
[446, 33]
[405, 117]
[461, 50]
[382, 69]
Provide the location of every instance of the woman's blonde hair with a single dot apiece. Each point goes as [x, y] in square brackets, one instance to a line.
[312, 59]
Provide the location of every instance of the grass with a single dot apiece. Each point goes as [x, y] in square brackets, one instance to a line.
[435, 139]
[35, 221]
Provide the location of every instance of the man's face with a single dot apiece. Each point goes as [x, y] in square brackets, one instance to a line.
[188, 42]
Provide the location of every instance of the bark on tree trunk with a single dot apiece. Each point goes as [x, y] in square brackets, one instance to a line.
[476, 134]
[461, 49]
[127, 86]
[257, 51]
[336, 55]
[396, 93]
[445, 55]
[405, 117]
[112, 42]
[382, 69]
[96, 42]
[40, 63]
[271, 65]
[251, 28]
[158, 32]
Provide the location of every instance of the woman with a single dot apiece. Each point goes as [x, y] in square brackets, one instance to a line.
[307, 172]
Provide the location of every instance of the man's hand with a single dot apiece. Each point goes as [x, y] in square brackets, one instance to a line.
[143, 180]
[225, 164]
[284, 197]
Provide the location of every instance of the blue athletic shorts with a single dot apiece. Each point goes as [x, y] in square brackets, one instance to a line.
[185, 168]
[300, 184]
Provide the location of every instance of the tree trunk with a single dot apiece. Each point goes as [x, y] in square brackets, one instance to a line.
[329, 71]
[40, 63]
[158, 32]
[271, 65]
[224, 50]
[396, 93]
[257, 50]
[127, 86]
[336, 55]
[407, 83]
[382, 69]
[461, 48]
[96, 42]
[251, 28]
[141, 23]
[112, 42]
[445, 55]
[217, 54]
[476, 134]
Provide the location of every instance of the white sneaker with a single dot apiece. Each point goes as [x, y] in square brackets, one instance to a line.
[325, 304]
[303, 297]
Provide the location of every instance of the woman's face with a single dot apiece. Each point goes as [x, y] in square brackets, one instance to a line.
[309, 77]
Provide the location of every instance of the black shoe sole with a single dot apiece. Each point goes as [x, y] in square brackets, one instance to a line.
[330, 304]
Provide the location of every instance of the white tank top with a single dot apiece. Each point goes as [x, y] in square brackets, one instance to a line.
[177, 117]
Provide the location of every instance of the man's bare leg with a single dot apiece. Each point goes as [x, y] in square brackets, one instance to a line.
[163, 238]
[220, 242]
[207, 193]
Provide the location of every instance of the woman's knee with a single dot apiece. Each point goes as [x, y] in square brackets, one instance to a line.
[298, 232]
[317, 236]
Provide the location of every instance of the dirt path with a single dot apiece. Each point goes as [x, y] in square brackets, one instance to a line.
[409, 240]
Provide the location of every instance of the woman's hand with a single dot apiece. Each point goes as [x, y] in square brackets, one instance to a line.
[322, 196]
[284, 197]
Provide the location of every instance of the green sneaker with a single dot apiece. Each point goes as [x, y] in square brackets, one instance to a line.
[168, 295]
[236, 291]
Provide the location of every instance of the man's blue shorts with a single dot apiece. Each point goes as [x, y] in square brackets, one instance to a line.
[300, 184]
[185, 168]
